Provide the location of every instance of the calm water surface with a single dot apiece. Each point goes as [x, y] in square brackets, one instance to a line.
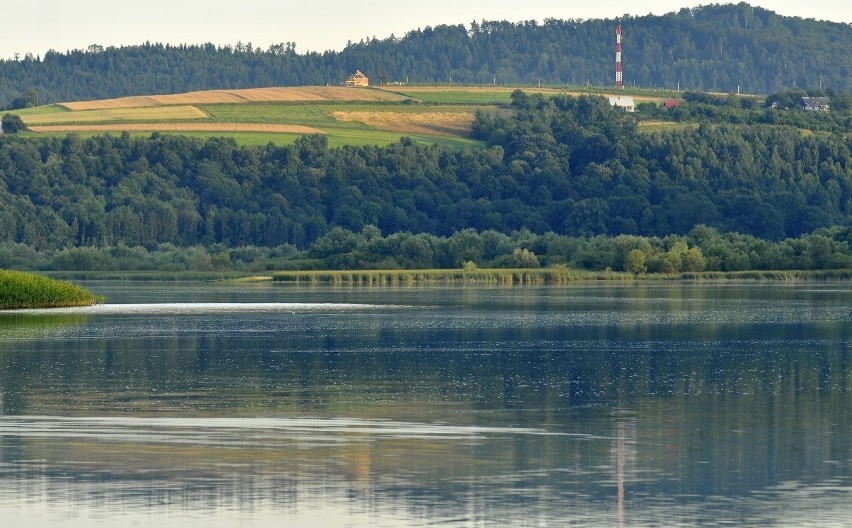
[594, 404]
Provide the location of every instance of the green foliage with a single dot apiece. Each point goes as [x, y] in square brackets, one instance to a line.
[29, 99]
[702, 250]
[24, 290]
[524, 258]
[560, 171]
[12, 124]
[779, 109]
[635, 262]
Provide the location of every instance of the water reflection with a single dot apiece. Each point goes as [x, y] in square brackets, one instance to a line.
[413, 406]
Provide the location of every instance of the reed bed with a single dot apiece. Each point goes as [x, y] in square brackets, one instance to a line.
[554, 275]
[25, 290]
[404, 277]
[769, 275]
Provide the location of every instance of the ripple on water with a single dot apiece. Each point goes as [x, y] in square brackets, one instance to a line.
[235, 432]
[209, 308]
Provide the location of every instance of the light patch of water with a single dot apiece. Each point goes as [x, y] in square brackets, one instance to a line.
[202, 308]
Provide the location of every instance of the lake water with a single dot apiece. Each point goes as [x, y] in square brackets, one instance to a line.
[584, 405]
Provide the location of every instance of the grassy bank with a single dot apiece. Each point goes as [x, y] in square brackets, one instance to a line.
[24, 290]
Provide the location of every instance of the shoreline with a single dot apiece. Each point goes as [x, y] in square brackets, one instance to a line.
[552, 275]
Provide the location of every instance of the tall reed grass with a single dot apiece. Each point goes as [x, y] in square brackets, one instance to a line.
[553, 275]
[485, 276]
[25, 290]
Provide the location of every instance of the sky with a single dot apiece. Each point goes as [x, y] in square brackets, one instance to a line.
[35, 26]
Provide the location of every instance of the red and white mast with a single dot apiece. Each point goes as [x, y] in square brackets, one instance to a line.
[619, 80]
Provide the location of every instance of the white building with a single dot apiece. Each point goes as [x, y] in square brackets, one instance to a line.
[623, 101]
[816, 104]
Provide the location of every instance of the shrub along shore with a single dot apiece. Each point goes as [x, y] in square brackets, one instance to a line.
[24, 290]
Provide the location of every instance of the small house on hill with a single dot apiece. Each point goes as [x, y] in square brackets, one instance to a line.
[623, 101]
[816, 104]
[357, 79]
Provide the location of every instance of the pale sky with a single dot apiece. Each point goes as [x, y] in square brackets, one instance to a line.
[36, 26]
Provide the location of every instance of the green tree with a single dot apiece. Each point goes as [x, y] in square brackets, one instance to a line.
[12, 124]
[693, 260]
[524, 258]
[635, 262]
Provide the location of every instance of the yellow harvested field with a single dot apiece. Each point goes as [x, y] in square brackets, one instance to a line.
[251, 95]
[181, 127]
[442, 123]
[157, 114]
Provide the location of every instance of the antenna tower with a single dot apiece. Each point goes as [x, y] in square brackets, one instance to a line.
[619, 79]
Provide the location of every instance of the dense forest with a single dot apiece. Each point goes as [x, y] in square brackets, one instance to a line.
[716, 47]
[571, 167]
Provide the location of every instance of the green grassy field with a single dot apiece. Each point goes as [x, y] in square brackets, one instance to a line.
[39, 110]
[451, 96]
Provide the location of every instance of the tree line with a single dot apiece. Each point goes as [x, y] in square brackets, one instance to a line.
[572, 166]
[711, 48]
[702, 249]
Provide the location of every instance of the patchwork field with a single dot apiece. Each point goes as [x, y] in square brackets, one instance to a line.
[346, 115]
[251, 95]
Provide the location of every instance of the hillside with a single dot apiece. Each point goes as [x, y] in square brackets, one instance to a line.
[257, 116]
[347, 116]
[715, 48]
[569, 165]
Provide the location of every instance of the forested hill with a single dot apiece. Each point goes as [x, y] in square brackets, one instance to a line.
[716, 48]
[573, 166]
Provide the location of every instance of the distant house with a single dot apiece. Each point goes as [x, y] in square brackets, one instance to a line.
[357, 79]
[672, 103]
[623, 101]
[816, 104]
